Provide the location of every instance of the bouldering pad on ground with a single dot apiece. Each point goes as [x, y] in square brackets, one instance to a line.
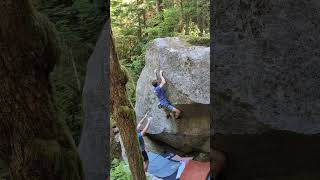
[160, 166]
[195, 170]
[171, 177]
[167, 155]
[184, 159]
[180, 169]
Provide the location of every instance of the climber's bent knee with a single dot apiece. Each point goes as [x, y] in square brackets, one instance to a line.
[176, 110]
[167, 107]
[170, 107]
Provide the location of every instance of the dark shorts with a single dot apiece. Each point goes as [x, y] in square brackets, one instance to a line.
[145, 156]
[167, 106]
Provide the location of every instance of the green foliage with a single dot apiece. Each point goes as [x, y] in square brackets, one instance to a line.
[67, 80]
[65, 160]
[136, 23]
[198, 41]
[4, 169]
[165, 24]
[120, 171]
[78, 23]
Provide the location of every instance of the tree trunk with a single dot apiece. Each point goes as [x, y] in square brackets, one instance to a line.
[200, 19]
[139, 19]
[159, 6]
[144, 16]
[124, 115]
[181, 21]
[187, 23]
[201, 26]
[34, 144]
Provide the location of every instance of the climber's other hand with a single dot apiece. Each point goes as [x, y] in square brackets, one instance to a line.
[155, 71]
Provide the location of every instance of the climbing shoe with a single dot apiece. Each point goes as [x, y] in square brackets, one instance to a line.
[179, 117]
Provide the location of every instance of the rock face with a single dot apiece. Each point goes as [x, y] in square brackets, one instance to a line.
[269, 64]
[93, 149]
[186, 69]
[266, 83]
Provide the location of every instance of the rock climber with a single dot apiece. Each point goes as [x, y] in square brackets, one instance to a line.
[141, 134]
[164, 102]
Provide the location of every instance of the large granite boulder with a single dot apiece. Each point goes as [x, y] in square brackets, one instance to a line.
[186, 69]
[266, 85]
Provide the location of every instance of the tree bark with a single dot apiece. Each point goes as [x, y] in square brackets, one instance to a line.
[181, 21]
[33, 142]
[187, 23]
[200, 19]
[159, 6]
[139, 20]
[124, 115]
[201, 25]
[144, 16]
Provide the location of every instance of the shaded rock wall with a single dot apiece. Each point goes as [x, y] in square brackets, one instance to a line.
[93, 148]
[266, 81]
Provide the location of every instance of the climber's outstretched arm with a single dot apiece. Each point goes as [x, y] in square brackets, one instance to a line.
[142, 120]
[163, 81]
[155, 74]
[145, 129]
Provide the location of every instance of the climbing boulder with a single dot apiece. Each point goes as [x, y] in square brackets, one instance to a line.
[266, 86]
[187, 72]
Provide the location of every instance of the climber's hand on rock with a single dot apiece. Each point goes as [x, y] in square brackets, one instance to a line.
[146, 114]
[155, 71]
[161, 72]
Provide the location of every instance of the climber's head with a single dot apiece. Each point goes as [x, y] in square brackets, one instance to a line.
[154, 83]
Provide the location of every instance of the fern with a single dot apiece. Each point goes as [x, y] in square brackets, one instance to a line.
[120, 171]
[79, 25]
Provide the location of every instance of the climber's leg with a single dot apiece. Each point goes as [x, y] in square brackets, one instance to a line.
[145, 160]
[174, 110]
[146, 164]
[177, 112]
[168, 115]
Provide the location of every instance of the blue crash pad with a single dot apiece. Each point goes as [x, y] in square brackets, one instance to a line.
[180, 170]
[171, 177]
[160, 166]
[167, 155]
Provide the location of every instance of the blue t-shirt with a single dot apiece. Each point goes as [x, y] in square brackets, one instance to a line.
[161, 95]
[141, 141]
